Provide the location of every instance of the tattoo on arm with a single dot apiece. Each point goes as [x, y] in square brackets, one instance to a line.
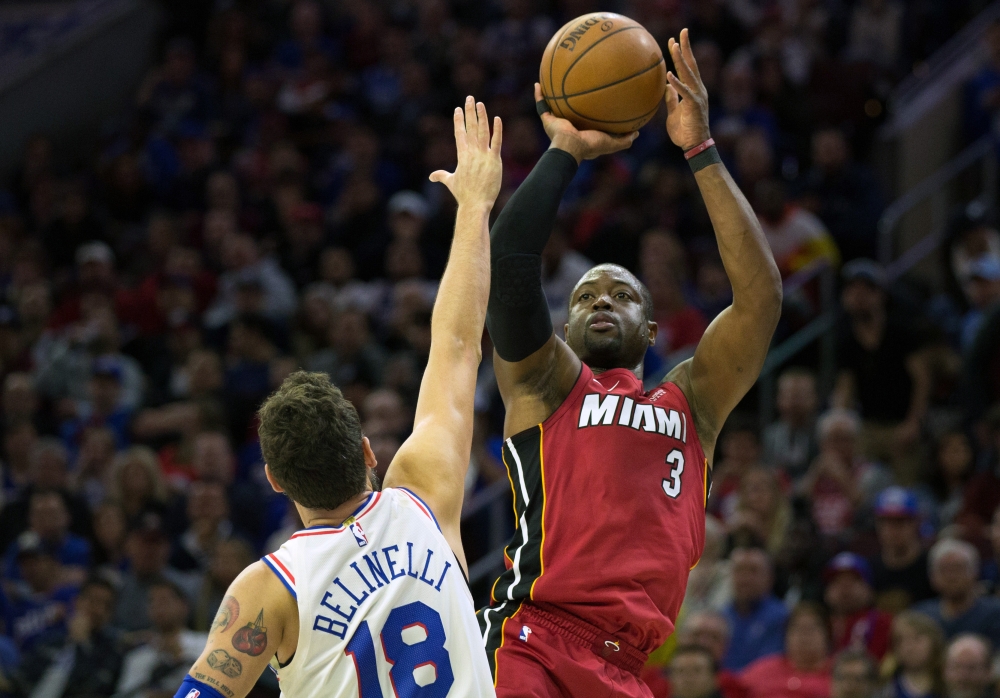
[225, 662]
[229, 612]
[252, 638]
[204, 678]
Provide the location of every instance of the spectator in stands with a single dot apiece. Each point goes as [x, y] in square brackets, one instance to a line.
[756, 617]
[843, 193]
[693, 673]
[229, 558]
[710, 629]
[110, 529]
[762, 510]
[738, 451]
[900, 571]
[48, 471]
[982, 493]
[39, 603]
[208, 526]
[136, 484]
[213, 461]
[48, 520]
[161, 664]
[710, 583]
[83, 662]
[790, 442]
[967, 667]
[93, 465]
[147, 550]
[854, 620]
[840, 481]
[954, 567]
[251, 283]
[917, 657]
[882, 371]
[854, 675]
[952, 469]
[19, 438]
[983, 291]
[104, 407]
[804, 667]
[796, 236]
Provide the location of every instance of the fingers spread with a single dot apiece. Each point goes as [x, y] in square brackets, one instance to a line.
[497, 135]
[459, 119]
[680, 87]
[672, 98]
[483, 126]
[681, 64]
[688, 53]
[470, 119]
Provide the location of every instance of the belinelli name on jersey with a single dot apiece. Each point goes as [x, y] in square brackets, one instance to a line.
[347, 594]
[607, 410]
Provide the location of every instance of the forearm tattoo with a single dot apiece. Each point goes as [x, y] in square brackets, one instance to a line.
[205, 678]
[225, 662]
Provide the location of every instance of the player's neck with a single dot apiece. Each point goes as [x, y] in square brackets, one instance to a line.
[637, 370]
[332, 517]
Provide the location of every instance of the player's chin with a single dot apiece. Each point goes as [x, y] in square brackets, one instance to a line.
[603, 348]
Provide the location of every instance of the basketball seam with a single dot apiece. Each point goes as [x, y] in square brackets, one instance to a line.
[616, 82]
[585, 52]
[611, 121]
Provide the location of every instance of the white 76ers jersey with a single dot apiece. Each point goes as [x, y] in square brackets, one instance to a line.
[384, 610]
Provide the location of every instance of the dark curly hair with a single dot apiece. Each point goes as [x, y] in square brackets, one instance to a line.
[310, 435]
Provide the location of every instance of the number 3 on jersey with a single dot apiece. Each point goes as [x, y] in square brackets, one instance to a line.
[672, 487]
[405, 654]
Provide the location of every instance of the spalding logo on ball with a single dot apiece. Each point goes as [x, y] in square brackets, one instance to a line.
[603, 71]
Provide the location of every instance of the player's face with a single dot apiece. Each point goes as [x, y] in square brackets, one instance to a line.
[607, 325]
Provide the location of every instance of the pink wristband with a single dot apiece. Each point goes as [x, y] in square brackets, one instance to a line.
[700, 148]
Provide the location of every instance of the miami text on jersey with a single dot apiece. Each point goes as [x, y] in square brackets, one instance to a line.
[595, 412]
[371, 572]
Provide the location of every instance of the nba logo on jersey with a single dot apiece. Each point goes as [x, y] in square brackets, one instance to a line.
[525, 631]
[359, 534]
[193, 693]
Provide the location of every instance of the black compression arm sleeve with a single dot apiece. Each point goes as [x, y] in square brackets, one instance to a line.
[518, 316]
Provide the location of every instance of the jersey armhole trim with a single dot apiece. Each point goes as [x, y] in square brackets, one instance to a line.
[422, 505]
[267, 561]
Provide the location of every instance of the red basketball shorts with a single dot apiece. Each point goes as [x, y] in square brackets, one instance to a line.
[541, 652]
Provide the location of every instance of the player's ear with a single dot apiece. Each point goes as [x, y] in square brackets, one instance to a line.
[566, 330]
[370, 461]
[270, 478]
[653, 330]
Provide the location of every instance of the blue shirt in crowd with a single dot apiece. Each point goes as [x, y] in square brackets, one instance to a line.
[757, 634]
[982, 618]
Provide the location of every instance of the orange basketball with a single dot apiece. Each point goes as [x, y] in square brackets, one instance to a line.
[603, 71]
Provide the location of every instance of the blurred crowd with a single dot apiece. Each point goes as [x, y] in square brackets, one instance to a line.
[263, 206]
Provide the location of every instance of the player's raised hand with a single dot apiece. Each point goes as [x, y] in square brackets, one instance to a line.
[476, 179]
[687, 98]
[583, 145]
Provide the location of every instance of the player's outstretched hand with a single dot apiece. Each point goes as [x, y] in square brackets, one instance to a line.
[476, 179]
[583, 145]
[687, 98]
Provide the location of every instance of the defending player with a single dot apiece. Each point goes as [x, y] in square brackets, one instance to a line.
[370, 599]
[610, 482]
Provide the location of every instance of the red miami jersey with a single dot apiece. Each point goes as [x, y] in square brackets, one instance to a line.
[609, 497]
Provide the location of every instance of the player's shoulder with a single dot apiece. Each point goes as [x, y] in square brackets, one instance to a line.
[410, 499]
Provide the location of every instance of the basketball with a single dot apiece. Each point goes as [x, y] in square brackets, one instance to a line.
[603, 71]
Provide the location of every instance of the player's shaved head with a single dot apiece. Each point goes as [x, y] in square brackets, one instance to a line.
[611, 319]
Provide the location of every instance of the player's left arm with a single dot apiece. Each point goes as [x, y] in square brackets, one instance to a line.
[731, 354]
[258, 619]
[434, 459]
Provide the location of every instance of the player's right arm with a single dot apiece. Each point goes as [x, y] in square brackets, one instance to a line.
[257, 620]
[535, 369]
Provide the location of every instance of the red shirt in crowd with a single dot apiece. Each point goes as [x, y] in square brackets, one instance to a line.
[776, 677]
[870, 629]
